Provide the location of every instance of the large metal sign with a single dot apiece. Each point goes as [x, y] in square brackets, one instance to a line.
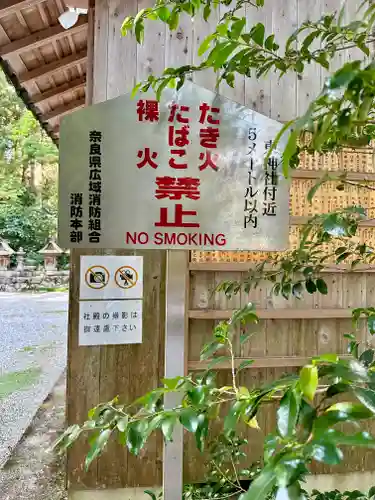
[186, 172]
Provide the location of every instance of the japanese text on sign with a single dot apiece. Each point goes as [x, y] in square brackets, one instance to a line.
[168, 168]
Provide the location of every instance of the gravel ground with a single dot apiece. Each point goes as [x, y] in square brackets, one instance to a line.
[33, 472]
[32, 358]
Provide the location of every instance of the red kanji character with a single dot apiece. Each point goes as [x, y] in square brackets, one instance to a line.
[209, 160]
[209, 137]
[148, 159]
[177, 166]
[148, 110]
[180, 118]
[204, 108]
[175, 188]
[180, 141]
[178, 214]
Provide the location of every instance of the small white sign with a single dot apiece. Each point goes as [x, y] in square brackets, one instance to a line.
[111, 277]
[110, 322]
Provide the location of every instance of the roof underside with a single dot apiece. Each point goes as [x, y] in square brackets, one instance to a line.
[45, 62]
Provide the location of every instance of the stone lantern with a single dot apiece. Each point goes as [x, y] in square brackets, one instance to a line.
[20, 259]
[5, 254]
[51, 252]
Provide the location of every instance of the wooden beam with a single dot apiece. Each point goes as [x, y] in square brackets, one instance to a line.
[12, 6]
[71, 86]
[42, 37]
[317, 174]
[266, 362]
[233, 267]
[287, 313]
[49, 69]
[65, 109]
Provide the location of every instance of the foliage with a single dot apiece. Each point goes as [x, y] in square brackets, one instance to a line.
[327, 392]
[28, 166]
[311, 406]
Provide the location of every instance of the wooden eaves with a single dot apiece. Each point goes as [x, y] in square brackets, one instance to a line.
[44, 62]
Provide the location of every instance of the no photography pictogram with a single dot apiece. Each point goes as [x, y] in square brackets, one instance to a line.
[126, 277]
[97, 277]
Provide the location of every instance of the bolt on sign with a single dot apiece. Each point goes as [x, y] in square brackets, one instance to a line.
[184, 173]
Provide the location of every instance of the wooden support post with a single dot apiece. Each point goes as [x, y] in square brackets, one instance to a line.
[177, 286]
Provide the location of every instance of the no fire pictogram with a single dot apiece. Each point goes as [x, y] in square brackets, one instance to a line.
[126, 277]
[97, 277]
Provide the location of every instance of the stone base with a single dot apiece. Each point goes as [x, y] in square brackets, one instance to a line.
[117, 494]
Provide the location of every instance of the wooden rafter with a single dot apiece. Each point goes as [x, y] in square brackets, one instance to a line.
[64, 110]
[71, 86]
[49, 69]
[40, 38]
[10, 6]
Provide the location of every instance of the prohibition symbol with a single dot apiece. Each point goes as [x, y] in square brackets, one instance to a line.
[126, 277]
[97, 277]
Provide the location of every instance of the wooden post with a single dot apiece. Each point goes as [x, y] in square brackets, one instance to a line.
[99, 373]
[175, 335]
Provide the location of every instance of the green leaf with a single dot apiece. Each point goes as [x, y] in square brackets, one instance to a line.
[126, 25]
[308, 381]
[367, 357]
[341, 438]
[312, 192]
[135, 90]
[344, 75]
[201, 432]
[206, 12]
[139, 31]
[371, 324]
[244, 337]
[217, 360]
[198, 394]
[261, 486]
[135, 436]
[233, 415]
[220, 54]
[257, 34]
[237, 28]
[325, 452]
[151, 494]
[287, 413]
[246, 314]
[292, 492]
[122, 424]
[210, 349]
[335, 226]
[270, 40]
[348, 411]
[310, 286]
[189, 419]
[244, 364]
[97, 447]
[366, 397]
[167, 426]
[205, 45]
[328, 358]
[163, 13]
[174, 20]
[321, 285]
